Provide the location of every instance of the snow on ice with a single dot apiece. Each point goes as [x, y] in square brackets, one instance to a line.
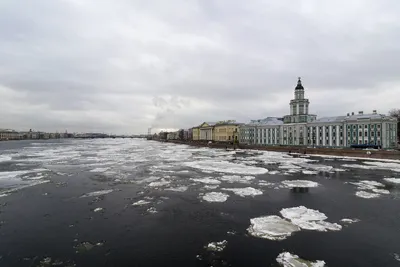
[300, 183]
[244, 192]
[287, 259]
[215, 197]
[309, 219]
[392, 180]
[364, 194]
[271, 227]
[97, 193]
[217, 246]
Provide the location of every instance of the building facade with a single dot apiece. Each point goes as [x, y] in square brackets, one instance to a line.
[196, 133]
[226, 132]
[303, 129]
[207, 131]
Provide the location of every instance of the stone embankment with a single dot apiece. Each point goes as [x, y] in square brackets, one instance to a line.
[341, 152]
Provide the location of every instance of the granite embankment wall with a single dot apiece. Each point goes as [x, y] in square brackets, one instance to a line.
[345, 152]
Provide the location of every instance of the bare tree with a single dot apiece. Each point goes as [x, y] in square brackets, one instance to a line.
[396, 114]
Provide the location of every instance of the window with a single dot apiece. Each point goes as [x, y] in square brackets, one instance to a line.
[366, 126]
[365, 142]
[359, 134]
[378, 134]
[372, 134]
[366, 134]
[379, 126]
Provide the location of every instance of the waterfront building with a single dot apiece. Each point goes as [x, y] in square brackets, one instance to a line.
[7, 134]
[196, 133]
[206, 131]
[226, 131]
[303, 129]
[261, 132]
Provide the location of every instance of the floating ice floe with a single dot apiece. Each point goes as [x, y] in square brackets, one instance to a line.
[309, 219]
[287, 259]
[244, 192]
[271, 227]
[217, 246]
[392, 180]
[215, 197]
[177, 189]
[237, 179]
[4, 195]
[384, 165]
[141, 203]
[226, 167]
[349, 220]
[162, 182]
[98, 209]
[396, 256]
[300, 183]
[381, 191]
[364, 194]
[206, 180]
[97, 193]
[265, 183]
[152, 210]
[273, 172]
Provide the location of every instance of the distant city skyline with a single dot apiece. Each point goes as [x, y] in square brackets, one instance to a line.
[102, 66]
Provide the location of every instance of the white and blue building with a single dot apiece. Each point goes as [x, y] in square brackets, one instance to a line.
[303, 129]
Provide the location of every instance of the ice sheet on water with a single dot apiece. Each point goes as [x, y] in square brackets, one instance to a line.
[349, 221]
[381, 191]
[98, 193]
[177, 189]
[159, 183]
[237, 179]
[98, 209]
[309, 219]
[152, 210]
[215, 197]
[226, 167]
[302, 213]
[206, 180]
[392, 180]
[265, 183]
[365, 194]
[5, 158]
[244, 192]
[271, 227]
[300, 183]
[287, 259]
[4, 195]
[384, 165]
[217, 246]
[141, 203]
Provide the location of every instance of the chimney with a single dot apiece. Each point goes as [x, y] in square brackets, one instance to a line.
[374, 111]
[352, 114]
[360, 113]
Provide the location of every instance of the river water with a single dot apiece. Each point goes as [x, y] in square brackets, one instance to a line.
[132, 202]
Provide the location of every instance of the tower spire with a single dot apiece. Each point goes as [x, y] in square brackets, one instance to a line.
[299, 85]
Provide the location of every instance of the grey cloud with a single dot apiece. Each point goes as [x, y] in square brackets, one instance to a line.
[123, 66]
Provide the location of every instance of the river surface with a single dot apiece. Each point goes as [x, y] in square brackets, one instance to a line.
[132, 202]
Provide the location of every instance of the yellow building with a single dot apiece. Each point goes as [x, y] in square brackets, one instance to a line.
[196, 133]
[226, 132]
[207, 131]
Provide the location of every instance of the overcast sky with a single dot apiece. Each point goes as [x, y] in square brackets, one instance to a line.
[121, 66]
